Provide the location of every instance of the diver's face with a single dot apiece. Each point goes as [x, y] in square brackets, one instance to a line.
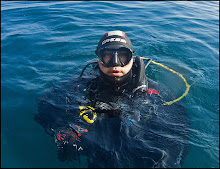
[116, 71]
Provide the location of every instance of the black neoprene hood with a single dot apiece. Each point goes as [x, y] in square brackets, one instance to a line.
[114, 40]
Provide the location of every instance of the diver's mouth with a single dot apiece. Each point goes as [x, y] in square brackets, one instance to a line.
[116, 73]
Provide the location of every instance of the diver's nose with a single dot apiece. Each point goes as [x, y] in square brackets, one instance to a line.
[115, 59]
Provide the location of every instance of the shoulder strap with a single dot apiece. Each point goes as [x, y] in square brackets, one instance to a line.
[140, 78]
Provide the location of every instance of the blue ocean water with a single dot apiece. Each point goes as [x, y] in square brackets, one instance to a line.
[45, 42]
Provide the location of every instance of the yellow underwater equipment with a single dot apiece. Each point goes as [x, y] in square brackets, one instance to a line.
[88, 113]
[180, 75]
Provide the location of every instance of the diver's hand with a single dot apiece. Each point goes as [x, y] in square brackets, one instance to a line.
[69, 136]
[66, 137]
[68, 142]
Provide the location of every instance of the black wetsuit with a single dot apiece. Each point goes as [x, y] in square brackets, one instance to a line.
[132, 128]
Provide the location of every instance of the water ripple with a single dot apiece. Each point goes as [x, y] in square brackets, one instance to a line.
[45, 42]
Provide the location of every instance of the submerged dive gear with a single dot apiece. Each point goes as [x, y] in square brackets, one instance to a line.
[88, 113]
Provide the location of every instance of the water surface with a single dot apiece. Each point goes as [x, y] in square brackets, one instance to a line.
[45, 42]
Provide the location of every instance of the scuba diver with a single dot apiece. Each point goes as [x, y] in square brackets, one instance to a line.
[112, 114]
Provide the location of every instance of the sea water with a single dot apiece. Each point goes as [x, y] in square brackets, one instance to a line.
[43, 43]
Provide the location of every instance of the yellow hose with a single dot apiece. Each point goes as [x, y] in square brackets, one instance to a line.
[180, 75]
[86, 109]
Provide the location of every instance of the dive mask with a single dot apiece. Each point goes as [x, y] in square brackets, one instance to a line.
[115, 57]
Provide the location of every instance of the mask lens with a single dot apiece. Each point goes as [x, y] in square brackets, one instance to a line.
[124, 56]
[106, 56]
